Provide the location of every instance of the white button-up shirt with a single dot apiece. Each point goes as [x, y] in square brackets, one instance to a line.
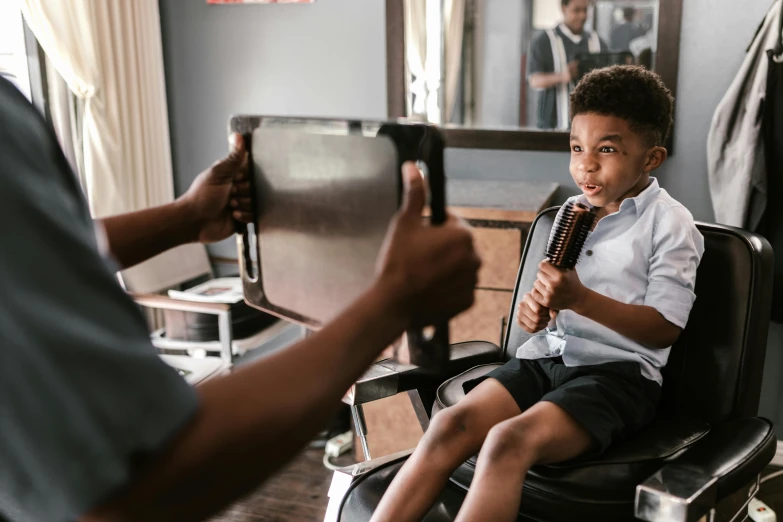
[644, 254]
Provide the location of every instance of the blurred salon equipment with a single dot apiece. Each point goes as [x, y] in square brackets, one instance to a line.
[203, 325]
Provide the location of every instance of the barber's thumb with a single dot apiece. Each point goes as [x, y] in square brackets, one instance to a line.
[228, 166]
[415, 191]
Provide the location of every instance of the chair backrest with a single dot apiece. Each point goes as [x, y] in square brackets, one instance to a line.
[715, 368]
[171, 268]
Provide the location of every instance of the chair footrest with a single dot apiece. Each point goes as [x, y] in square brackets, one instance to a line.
[389, 377]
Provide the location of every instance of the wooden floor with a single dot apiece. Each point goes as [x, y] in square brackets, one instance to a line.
[771, 492]
[299, 493]
[296, 494]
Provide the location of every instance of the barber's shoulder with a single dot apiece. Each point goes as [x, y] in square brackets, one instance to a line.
[27, 145]
[541, 41]
[34, 174]
[14, 107]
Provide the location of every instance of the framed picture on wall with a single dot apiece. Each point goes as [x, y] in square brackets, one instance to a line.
[260, 1]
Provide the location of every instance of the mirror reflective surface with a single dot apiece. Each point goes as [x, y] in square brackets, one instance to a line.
[511, 64]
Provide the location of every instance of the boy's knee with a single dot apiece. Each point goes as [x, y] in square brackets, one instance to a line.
[448, 427]
[507, 444]
[449, 422]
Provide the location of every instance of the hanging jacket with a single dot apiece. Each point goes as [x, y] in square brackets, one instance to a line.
[735, 150]
[771, 225]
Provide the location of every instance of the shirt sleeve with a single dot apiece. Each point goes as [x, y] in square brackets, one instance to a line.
[540, 58]
[82, 391]
[677, 250]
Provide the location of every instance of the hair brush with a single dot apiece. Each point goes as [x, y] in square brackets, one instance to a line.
[568, 236]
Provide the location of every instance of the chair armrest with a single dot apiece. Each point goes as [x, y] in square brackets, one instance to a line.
[729, 457]
[389, 377]
[222, 310]
[165, 302]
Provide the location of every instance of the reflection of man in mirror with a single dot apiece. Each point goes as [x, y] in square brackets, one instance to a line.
[624, 33]
[552, 67]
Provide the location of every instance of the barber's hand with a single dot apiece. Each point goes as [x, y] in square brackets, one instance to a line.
[572, 72]
[428, 273]
[220, 195]
[531, 315]
[558, 289]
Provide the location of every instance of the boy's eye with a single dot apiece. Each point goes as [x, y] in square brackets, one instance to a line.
[607, 149]
[576, 148]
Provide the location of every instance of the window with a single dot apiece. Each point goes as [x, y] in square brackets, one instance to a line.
[13, 52]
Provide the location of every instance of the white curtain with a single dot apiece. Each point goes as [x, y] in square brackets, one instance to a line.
[416, 54]
[454, 28]
[110, 54]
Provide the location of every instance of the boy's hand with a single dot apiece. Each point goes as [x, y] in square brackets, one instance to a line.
[532, 316]
[558, 289]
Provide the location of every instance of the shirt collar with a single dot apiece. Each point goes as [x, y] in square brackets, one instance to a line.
[576, 38]
[640, 202]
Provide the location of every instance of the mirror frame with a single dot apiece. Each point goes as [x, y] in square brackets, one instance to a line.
[666, 65]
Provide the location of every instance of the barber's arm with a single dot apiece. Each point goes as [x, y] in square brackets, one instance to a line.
[205, 213]
[545, 80]
[254, 420]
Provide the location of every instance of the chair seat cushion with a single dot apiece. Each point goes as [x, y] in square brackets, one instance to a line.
[365, 494]
[595, 487]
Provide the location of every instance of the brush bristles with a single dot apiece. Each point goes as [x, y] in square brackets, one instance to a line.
[569, 234]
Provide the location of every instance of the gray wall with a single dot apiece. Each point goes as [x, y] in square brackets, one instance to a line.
[322, 59]
[328, 59]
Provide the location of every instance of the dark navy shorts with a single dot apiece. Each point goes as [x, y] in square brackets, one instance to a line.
[610, 400]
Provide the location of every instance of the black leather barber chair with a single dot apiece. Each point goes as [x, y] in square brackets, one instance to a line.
[703, 453]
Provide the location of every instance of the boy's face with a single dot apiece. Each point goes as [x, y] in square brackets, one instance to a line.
[610, 162]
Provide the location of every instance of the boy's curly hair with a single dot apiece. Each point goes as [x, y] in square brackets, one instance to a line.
[629, 92]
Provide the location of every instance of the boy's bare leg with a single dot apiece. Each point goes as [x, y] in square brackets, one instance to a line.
[543, 434]
[455, 434]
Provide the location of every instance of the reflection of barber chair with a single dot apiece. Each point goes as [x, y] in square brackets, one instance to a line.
[703, 453]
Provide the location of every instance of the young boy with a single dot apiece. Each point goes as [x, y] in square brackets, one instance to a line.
[595, 378]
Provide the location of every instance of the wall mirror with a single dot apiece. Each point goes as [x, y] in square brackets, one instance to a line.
[497, 73]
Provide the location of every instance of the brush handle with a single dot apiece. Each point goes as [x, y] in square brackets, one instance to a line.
[570, 231]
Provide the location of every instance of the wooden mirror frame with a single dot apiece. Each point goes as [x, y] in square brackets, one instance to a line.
[666, 64]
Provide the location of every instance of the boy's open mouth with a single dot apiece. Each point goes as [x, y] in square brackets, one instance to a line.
[590, 189]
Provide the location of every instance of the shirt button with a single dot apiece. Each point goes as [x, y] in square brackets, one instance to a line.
[589, 252]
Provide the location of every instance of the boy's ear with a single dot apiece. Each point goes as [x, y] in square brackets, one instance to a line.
[655, 158]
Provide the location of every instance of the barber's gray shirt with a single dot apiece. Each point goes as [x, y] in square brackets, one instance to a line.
[541, 60]
[81, 389]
